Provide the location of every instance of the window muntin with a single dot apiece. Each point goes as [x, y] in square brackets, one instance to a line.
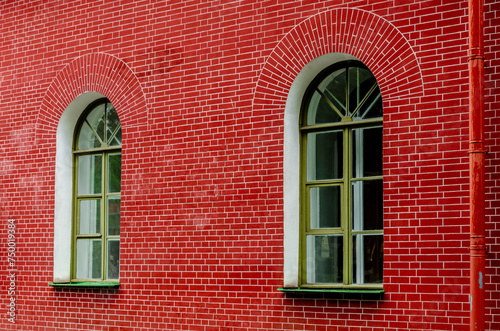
[97, 177]
[341, 195]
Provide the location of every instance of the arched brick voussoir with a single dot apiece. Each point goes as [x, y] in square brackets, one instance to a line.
[97, 72]
[359, 33]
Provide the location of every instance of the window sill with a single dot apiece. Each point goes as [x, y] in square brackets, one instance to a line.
[332, 290]
[86, 284]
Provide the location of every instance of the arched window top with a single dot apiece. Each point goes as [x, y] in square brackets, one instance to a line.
[341, 180]
[344, 92]
[99, 128]
[97, 195]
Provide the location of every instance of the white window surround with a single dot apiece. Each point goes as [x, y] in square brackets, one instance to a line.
[64, 185]
[291, 177]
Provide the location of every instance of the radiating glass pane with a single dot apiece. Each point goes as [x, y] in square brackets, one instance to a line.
[361, 82]
[88, 259]
[87, 138]
[114, 216]
[367, 152]
[328, 102]
[371, 107]
[113, 259]
[333, 87]
[324, 259]
[324, 207]
[114, 173]
[321, 110]
[112, 121]
[368, 258]
[116, 140]
[90, 216]
[96, 119]
[89, 174]
[367, 205]
[324, 155]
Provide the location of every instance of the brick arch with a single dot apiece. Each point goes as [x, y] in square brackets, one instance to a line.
[319, 41]
[362, 34]
[101, 73]
[82, 81]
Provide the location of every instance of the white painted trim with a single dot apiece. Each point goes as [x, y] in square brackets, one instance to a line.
[291, 165]
[64, 185]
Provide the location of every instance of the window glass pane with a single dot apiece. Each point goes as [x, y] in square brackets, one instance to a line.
[324, 155]
[87, 138]
[96, 119]
[88, 259]
[361, 82]
[112, 121]
[333, 87]
[366, 152]
[367, 205]
[324, 206]
[371, 107]
[90, 216]
[321, 110]
[114, 173]
[113, 259]
[89, 174]
[116, 140]
[328, 102]
[114, 216]
[324, 259]
[368, 255]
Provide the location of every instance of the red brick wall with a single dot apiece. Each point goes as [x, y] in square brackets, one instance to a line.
[200, 87]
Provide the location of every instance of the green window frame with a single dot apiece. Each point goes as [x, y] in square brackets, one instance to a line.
[341, 242]
[97, 195]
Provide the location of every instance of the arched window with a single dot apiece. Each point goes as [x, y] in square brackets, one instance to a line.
[341, 242]
[96, 196]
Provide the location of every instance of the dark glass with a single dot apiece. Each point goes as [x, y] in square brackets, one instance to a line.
[361, 81]
[114, 216]
[321, 110]
[372, 106]
[367, 205]
[325, 155]
[114, 173]
[112, 123]
[325, 206]
[368, 259]
[333, 87]
[328, 100]
[113, 259]
[367, 152]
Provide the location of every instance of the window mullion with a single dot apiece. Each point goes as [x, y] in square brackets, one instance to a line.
[304, 210]
[346, 197]
[104, 207]
[76, 218]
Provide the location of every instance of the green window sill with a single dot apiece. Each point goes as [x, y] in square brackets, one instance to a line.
[331, 290]
[86, 284]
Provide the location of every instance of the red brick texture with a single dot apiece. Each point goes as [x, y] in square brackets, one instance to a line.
[200, 87]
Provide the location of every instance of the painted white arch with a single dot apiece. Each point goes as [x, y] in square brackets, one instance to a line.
[291, 152]
[64, 184]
